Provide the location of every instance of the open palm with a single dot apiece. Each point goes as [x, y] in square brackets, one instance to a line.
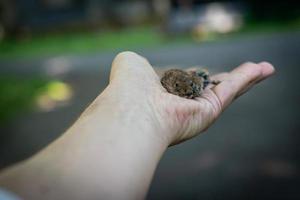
[139, 87]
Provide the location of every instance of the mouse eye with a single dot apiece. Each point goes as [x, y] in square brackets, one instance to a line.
[192, 84]
[176, 85]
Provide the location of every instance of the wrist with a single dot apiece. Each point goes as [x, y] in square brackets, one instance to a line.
[131, 113]
[128, 139]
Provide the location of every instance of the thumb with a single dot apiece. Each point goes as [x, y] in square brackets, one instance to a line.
[131, 67]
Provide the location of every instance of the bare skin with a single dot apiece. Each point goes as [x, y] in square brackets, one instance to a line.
[112, 150]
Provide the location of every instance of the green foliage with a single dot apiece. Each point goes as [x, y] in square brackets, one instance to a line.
[18, 95]
[79, 42]
[89, 42]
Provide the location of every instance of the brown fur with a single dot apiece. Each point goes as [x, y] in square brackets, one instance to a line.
[185, 84]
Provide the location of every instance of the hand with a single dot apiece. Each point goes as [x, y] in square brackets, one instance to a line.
[116, 144]
[135, 84]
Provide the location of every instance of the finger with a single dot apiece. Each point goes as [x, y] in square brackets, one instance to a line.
[220, 77]
[129, 66]
[267, 70]
[240, 78]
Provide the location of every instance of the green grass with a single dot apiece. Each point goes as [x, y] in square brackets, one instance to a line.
[18, 95]
[88, 42]
[79, 42]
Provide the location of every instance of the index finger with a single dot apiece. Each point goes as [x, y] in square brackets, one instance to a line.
[241, 78]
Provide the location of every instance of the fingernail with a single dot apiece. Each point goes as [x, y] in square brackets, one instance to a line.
[268, 69]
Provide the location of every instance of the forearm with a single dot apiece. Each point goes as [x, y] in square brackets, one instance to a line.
[106, 154]
[111, 152]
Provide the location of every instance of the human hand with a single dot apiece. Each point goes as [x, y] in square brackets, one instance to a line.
[116, 144]
[135, 85]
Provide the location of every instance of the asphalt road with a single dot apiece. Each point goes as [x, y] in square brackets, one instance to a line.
[251, 152]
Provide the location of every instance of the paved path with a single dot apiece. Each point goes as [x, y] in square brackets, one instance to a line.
[252, 151]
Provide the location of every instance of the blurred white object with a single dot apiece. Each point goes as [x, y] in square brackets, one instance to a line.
[57, 66]
[218, 18]
[208, 18]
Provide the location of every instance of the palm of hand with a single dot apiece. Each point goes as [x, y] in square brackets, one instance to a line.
[186, 117]
[180, 118]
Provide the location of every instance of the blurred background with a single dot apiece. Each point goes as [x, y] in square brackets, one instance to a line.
[55, 58]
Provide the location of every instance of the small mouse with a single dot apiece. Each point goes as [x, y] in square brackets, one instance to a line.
[186, 84]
